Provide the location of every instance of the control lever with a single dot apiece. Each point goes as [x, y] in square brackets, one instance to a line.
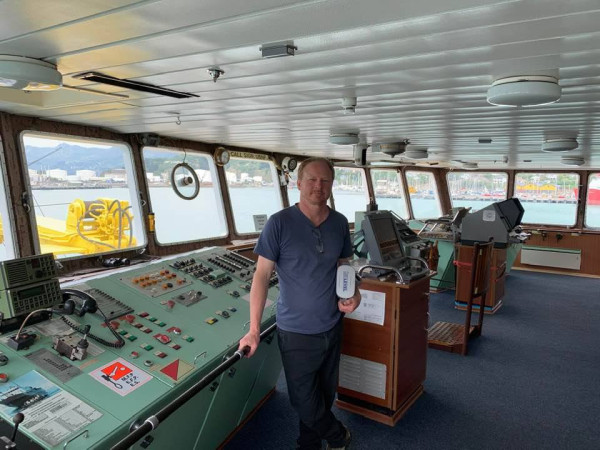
[17, 419]
[6, 443]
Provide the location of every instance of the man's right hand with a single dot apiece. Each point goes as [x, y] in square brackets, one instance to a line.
[251, 340]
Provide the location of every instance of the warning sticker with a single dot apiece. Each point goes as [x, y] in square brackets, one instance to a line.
[177, 369]
[121, 376]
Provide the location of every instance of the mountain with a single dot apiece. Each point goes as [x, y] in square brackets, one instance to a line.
[72, 157]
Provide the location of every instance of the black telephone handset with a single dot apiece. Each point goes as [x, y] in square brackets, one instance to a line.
[78, 302]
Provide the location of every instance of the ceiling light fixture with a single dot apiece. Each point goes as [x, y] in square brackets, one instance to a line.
[390, 148]
[572, 160]
[415, 152]
[277, 49]
[28, 74]
[559, 145]
[525, 90]
[469, 165]
[343, 138]
[485, 140]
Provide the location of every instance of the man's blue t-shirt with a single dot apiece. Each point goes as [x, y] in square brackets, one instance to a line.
[306, 262]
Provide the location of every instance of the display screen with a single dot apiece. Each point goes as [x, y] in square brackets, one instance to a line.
[512, 211]
[31, 292]
[384, 230]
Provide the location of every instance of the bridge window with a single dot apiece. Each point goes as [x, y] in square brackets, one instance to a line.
[423, 193]
[254, 192]
[389, 192]
[181, 215]
[292, 188]
[7, 245]
[476, 190]
[548, 198]
[592, 208]
[350, 192]
[83, 195]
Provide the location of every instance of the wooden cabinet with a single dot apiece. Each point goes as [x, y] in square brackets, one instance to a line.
[495, 294]
[383, 367]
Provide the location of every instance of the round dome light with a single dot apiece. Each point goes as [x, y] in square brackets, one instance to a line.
[572, 160]
[559, 145]
[343, 138]
[28, 74]
[529, 90]
[415, 152]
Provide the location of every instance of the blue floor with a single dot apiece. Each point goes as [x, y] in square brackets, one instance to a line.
[532, 381]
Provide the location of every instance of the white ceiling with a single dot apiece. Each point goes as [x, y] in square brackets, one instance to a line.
[420, 71]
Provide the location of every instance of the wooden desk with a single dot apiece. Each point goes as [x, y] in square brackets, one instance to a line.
[383, 366]
[495, 294]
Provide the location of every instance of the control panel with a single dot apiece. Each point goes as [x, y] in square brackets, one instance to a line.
[22, 271]
[178, 317]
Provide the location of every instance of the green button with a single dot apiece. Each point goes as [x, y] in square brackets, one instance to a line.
[132, 338]
[152, 319]
[160, 324]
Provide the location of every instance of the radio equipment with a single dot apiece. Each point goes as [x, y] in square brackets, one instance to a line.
[24, 299]
[31, 269]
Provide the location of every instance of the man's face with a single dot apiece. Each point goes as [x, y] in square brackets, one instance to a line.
[315, 185]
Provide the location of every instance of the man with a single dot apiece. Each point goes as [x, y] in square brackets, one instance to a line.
[306, 243]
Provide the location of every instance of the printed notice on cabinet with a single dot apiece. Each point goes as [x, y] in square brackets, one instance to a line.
[371, 308]
[51, 413]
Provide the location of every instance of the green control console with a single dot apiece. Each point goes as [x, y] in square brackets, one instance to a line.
[179, 317]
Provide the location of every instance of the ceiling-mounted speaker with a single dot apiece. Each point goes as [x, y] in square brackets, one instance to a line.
[28, 74]
[525, 90]
[559, 145]
[572, 160]
[343, 138]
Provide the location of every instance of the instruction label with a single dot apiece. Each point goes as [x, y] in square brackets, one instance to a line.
[371, 308]
[121, 376]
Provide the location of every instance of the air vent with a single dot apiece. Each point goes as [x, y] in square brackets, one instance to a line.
[133, 85]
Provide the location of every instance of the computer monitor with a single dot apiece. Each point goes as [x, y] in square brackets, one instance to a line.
[511, 211]
[381, 238]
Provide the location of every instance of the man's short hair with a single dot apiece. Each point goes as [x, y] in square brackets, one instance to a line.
[308, 161]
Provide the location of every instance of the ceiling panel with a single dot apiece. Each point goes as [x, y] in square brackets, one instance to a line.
[420, 71]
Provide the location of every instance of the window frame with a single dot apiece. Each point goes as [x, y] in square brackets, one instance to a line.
[134, 189]
[276, 184]
[474, 172]
[9, 220]
[399, 177]
[366, 190]
[555, 172]
[217, 186]
[585, 202]
[437, 192]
